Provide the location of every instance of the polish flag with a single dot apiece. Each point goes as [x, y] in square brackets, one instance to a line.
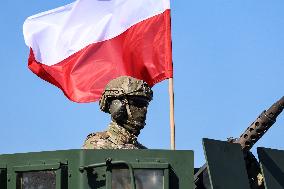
[80, 47]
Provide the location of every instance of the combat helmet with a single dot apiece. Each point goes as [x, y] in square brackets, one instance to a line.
[124, 86]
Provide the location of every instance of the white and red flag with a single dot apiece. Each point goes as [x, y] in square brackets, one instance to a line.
[80, 47]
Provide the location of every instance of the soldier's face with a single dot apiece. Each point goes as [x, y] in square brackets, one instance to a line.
[138, 109]
[130, 111]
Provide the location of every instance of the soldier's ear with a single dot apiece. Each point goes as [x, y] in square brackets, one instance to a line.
[108, 104]
[117, 110]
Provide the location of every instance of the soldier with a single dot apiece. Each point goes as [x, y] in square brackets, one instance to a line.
[126, 99]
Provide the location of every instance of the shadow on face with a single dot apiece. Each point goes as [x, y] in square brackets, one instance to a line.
[129, 111]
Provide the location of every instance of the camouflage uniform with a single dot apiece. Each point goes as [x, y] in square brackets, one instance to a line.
[115, 137]
[126, 99]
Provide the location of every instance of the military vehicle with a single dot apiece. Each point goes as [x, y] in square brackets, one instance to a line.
[229, 165]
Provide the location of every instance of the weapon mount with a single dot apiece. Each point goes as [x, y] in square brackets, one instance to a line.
[251, 135]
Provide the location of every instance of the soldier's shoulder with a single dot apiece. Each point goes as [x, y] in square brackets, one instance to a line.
[98, 135]
[95, 140]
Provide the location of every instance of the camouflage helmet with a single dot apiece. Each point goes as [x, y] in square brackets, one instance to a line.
[124, 86]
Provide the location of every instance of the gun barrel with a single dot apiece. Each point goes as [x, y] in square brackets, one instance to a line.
[260, 126]
[251, 135]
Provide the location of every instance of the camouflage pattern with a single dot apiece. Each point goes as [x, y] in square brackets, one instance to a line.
[126, 99]
[116, 137]
[124, 86]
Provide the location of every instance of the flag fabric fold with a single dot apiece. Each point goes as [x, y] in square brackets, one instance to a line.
[80, 47]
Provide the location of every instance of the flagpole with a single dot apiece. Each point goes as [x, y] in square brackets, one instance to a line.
[172, 118]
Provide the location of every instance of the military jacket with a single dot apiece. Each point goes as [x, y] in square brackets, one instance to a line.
[116, 137]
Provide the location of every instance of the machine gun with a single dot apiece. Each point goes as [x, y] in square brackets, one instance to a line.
[251, 135]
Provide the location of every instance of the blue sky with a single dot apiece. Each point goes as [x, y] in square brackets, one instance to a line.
[228, 67]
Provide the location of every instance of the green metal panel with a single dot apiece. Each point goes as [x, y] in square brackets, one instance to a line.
[177, 164]
[226, 165]
[181, 162]
[272, 165]
[3, 179]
